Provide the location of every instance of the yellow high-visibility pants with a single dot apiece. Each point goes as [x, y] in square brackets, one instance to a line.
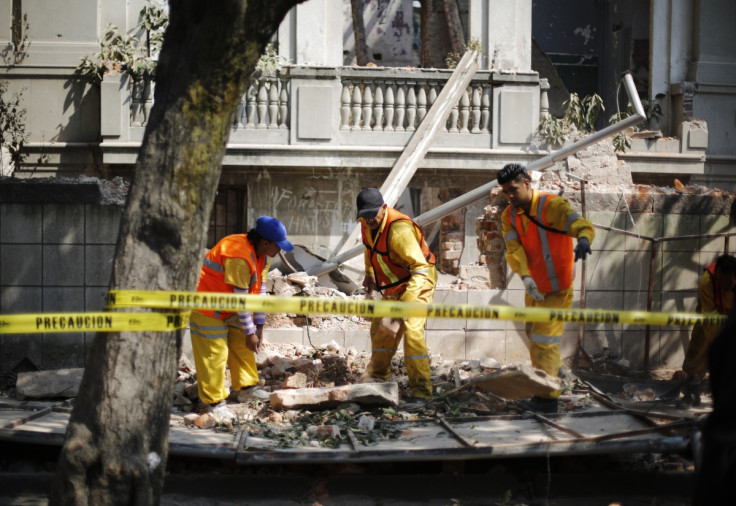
[544, 337]
[416, 353]
[696, 356]
[216, 344]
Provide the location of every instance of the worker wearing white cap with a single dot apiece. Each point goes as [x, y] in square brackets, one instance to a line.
[239, 264]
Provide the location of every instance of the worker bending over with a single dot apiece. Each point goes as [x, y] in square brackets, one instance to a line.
[538, 229]
[238, 264]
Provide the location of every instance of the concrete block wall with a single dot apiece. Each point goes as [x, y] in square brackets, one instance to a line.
[54, 257]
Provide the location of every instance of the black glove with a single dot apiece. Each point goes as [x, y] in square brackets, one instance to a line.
[582, 249]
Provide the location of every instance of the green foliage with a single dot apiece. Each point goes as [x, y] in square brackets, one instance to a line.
[579, 114]
[454, 57]
[269, 63]
[12, 128]
[622, 141]
[135, 54]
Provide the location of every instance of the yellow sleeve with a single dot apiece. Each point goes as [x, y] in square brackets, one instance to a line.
[237, 272]
[562, 216]
[515, 254]
[404, 249]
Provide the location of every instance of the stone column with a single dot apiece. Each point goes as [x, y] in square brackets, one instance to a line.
[504, 29]
[311, 33]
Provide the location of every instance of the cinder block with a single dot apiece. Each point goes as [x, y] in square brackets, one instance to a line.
[647, 225]
[481, 344]
[21, 223]
[485, 298]
[66, 299]
[17, 347]
[63, 350]
[517, 348]
[605, 271]
[21, 299]
[634, 346]
[98, 261]
[606, 240]
[284, 336]
[715, 224]
[680, 270]
[448, 297]
[678, 225]
[595, 341]
[636, 271]
[448, 343]
[20, 264]
[63, 223]
[62, 265]
[673, 343]
[322, 338]
[358, 339]
[102, 224]
[602, 300]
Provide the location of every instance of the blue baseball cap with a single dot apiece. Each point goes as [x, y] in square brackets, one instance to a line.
[272, 229]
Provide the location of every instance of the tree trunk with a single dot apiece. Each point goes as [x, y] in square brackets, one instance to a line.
[454, 25]
[362, 55]
[116, 443]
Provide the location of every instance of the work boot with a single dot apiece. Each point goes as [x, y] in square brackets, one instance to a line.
[413, 403]
[221, 412]
[691, 394]
[539, 405]
[253, 392]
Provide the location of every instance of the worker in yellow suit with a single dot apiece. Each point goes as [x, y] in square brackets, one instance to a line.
[239, 264]
[399, 264]
[538, 229]
[716, 297]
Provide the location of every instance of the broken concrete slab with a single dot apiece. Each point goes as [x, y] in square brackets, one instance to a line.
[57, 383]
[517, 382]
[371, 394]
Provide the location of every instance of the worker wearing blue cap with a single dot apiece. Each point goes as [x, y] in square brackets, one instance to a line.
[239, 264]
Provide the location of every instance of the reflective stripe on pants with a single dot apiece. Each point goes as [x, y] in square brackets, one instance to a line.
[216, 344]
[544, 337]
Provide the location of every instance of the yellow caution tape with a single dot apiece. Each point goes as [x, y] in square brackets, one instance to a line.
[229, 302]
[91, 322]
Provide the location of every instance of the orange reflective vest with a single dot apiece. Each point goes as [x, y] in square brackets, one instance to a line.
[212, 274]
[549, 253]
[392, 278]
[717, 292]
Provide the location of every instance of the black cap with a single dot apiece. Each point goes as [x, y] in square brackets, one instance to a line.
[369, 202]
[510, 171]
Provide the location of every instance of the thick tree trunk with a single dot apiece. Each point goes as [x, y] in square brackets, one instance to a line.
[362, 54]
[454, 25]
[117, 440]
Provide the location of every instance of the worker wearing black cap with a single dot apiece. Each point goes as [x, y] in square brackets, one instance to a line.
[398, 264]
[538, 229]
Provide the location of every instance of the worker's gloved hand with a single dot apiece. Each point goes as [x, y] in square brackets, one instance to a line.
[531, 288]
[582, 249]
[369, 284]
[253, 342]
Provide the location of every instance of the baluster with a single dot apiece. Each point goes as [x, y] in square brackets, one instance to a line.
[250, 106]
[543, 98]
[378, 107]
[432, 96]
[262, 105]
[485, 108]
[284, 106]
[136, 104]
[273, 104]
[421, 103]
[357, 106]
[367, 106]
[476, 109]
[389, 126]
[411, 107]
[148, 100]
[464, 112]
[345, 106]
[238, 119]
[400, 105]
[452, 122]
